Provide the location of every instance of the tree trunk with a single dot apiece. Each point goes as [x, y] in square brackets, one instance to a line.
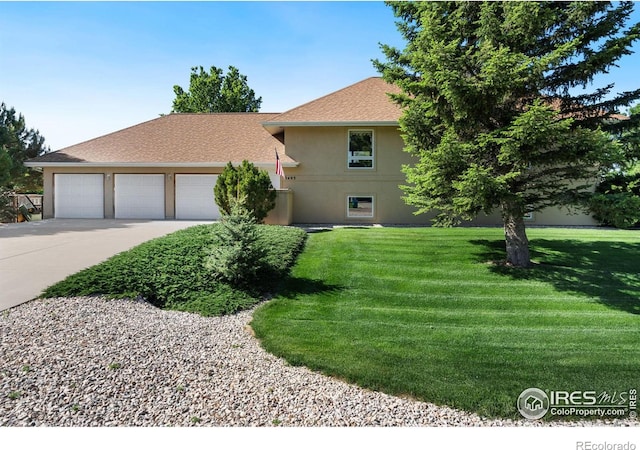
[516, 240]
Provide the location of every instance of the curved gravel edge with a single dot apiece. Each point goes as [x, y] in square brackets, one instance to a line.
[90, 361]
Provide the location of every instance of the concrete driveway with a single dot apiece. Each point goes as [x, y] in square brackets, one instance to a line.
[35, 255]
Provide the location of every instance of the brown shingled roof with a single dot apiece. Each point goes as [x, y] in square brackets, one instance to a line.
[214, 139]
[180, 139]
[363, 102]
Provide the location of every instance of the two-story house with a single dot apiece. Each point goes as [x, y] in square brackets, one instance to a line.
[342, 156]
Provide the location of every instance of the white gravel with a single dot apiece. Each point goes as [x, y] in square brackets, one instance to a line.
[98, 362]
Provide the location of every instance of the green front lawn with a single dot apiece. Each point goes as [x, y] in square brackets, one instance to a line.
[431, 314]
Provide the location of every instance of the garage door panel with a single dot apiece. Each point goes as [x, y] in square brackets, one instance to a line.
[139, 196]
[78, 196]
[195, 198]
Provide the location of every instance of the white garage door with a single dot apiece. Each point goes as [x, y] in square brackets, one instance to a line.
[139, 196]
[194, 197]
[78, 196]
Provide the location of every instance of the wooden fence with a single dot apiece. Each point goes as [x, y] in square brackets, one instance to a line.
[27, 206]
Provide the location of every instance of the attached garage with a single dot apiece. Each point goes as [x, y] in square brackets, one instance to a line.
[194, 197]
[161, 169]
[139, 196]
[78, 196]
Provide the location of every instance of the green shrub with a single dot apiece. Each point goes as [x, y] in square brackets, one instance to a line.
[224, 300]
[616, 201]
[621, 210]
[171, 272]
[247, 186]
[237, 256]
[281, 250]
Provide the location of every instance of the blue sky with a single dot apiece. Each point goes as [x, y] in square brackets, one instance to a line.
[83, 69]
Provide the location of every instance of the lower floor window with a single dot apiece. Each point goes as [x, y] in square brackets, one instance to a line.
[359, 206]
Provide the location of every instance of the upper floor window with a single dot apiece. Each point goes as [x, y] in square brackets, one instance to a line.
[360, 149]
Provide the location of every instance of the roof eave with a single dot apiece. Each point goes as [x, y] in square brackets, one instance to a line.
[350, 123]
[35, 164]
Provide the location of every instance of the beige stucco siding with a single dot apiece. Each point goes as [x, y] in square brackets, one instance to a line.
[548, 217]
[323, 181]
[322, 151]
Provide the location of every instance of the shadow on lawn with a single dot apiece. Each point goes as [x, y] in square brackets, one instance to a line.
[292, 287]
[605, 270]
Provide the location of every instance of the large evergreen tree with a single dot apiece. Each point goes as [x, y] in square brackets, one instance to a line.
[493, 110]
[216, 92]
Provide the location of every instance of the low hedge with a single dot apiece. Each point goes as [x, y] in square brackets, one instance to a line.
[170, 272]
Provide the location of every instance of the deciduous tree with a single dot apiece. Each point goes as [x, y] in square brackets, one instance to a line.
[216, 92]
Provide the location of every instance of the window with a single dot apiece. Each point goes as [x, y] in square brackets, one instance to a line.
[528, 215]
[359, 206]
[360, 154]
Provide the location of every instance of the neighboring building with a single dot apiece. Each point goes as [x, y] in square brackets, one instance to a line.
[342, 156]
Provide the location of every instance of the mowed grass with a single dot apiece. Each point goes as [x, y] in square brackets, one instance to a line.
[431, 313]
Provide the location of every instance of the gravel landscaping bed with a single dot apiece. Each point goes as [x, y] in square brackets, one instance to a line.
[98, 362]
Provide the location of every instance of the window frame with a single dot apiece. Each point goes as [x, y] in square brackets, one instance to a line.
[529, 215]
[359, 196]
[372, 158]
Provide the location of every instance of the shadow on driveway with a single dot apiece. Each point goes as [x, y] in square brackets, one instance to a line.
[50, 227]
